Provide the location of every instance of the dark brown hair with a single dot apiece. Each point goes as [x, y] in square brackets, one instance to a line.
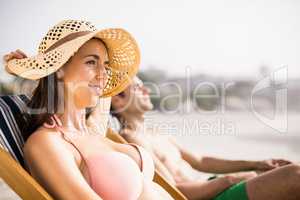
[113, 111]
[42, 104]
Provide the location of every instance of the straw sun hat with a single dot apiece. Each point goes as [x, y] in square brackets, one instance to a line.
[63, 41]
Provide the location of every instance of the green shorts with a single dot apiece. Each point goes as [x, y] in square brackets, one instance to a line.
[235, 192]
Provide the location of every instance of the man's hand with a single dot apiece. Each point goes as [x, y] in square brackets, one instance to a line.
[241, 176]
[270, 164]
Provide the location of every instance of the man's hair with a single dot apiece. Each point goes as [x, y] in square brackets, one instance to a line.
[113, 111]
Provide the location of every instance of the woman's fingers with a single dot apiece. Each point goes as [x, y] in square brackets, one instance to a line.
[7, 57]
[18, 54]
[22, 53]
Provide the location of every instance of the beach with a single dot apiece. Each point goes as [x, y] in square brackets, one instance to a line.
[232, 135]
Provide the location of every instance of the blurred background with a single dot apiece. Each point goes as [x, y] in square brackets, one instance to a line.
[202, 61]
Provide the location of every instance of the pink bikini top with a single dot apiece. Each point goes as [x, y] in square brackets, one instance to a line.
[112, 175]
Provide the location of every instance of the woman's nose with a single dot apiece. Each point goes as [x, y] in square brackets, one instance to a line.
[101, 76]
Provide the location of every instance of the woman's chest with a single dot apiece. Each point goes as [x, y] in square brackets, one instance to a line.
[84, 148]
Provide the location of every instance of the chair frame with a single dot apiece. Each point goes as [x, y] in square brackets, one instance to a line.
[19, 180]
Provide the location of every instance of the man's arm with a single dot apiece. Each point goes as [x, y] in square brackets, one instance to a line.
[218, 165]
[159, 166]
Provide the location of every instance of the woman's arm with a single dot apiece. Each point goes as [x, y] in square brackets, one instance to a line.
[55, 168]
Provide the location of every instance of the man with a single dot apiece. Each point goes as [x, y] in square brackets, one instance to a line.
[175, 162]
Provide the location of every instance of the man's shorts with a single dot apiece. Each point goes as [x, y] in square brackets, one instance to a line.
[235, 192]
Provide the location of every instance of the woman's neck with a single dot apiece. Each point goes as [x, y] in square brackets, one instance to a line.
[73, 118]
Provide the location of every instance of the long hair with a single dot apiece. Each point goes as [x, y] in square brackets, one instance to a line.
[43, 104]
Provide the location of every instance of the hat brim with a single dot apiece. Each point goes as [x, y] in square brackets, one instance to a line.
[123, 53]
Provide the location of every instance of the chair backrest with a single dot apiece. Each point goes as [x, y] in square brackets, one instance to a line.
[12, 118]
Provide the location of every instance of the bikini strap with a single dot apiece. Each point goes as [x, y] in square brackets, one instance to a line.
[57, 124]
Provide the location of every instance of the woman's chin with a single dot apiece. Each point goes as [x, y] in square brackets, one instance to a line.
[93, 101]
[93, 98]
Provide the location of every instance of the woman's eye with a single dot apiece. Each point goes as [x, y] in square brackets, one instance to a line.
[91, 62]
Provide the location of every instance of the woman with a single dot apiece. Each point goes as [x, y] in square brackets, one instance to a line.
[76, 65]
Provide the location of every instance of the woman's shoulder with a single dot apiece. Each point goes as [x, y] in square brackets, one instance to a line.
[42, 135]
[42, 140]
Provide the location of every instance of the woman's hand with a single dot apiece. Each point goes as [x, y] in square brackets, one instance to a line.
[18, 54]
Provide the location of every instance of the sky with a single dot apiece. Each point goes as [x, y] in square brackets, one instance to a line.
[215, 37]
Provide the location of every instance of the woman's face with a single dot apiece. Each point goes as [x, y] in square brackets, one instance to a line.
[85, 75]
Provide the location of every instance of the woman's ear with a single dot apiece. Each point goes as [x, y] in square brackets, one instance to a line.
[60, 74]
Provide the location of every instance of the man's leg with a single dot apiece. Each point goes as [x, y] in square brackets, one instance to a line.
[279, 184]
